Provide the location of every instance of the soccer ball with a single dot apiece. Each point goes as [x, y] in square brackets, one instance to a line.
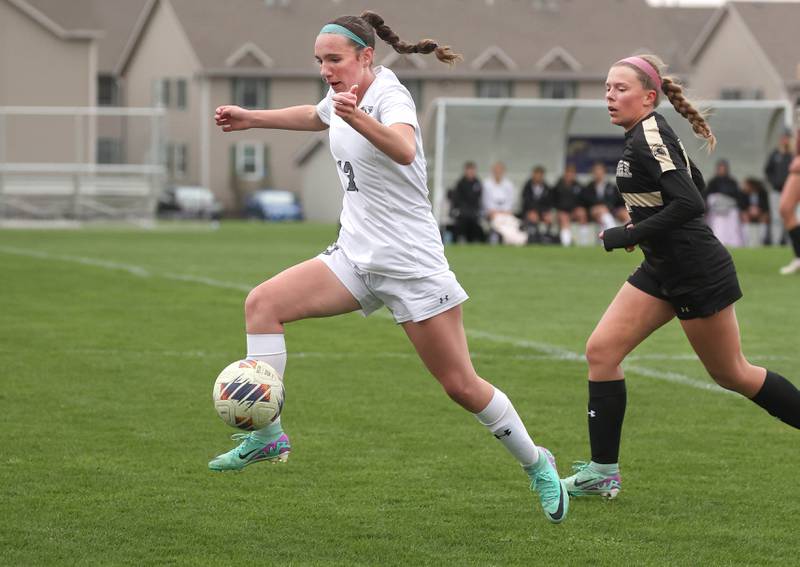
[248, 394]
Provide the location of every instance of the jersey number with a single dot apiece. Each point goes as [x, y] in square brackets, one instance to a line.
[347, 169]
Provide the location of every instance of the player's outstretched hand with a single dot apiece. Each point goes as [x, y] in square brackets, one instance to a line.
[344, 104]
[609, 246]
[232, 118]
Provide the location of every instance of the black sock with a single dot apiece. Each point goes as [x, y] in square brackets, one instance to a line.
[780, 398]
[794, 236]
[606, 411]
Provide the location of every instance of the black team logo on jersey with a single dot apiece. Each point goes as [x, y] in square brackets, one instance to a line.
[659, 150]
[505, 433]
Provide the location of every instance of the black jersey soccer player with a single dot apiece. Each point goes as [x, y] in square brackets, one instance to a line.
[686, 272]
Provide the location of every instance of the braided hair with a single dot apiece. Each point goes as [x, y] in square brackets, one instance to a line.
[369, 23]
[675, 95]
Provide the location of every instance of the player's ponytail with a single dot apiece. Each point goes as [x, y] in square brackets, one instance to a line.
[675, 95]
[425, 46]
[369, 23]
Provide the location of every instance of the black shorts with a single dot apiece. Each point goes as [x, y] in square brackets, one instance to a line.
[703, 301]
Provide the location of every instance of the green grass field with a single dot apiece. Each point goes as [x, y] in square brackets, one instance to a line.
[110, 340]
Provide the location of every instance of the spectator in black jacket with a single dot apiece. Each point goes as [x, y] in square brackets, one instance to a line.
[776, 169]
[568, 199]
[537, 206]
[756, 207]
[725, 203]
[724, 184]
[603, 200]
[465, 206]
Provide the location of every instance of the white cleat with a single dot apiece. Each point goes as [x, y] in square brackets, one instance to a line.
[792, 267]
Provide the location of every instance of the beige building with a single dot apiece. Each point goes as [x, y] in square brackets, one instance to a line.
[194, 55]
[61, 54]
[749, 50]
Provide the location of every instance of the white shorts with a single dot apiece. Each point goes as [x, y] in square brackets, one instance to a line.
[414, 299]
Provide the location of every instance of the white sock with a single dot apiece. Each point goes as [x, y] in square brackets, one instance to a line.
[272, 350]
[607, 221]
[584, 235]
[268, 348]
[566, 236]
[503, 421]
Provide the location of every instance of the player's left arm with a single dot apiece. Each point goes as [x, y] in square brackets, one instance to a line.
[396, 140]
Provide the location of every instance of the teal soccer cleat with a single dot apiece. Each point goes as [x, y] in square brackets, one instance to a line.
[588, 481]
[552, 492]
[250, 451]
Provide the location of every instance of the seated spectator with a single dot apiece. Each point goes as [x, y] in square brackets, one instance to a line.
[498, 200]
[756, 207]
[724, 202]
[568, 199]
[537, 206]
[603, 200]
[466, 206]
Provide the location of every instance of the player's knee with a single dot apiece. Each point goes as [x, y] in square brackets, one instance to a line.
[258, 304]
[725, 379]
[600, 354]
[787, 211]
[459, 388]
[734, 377]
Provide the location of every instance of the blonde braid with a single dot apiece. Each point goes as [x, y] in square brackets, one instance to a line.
[674, 93]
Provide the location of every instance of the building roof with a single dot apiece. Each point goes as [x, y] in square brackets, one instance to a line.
[776, 26]
[111, 21]
[524, 38]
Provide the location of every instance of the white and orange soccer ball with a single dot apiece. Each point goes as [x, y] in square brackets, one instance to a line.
[248, 394]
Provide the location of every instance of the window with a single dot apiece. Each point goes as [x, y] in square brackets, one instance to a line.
[180, 94]
[175, 159]
[109, 150]
[161, 92]
[179, 160]
[250, 160]
[107, 91]
[494, 89]
[414, 87]
[250, 93]
[559, 89]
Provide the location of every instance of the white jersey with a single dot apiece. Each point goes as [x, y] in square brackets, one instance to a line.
[388, 227]
[498, 195]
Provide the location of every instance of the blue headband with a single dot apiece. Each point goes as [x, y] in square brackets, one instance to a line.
[341, 30]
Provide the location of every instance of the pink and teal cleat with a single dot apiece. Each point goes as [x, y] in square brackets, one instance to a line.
[551, 489]
[591, 479]
[252, 450]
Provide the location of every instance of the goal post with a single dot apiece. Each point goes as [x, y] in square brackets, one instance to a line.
[81, 162]
[527, 132]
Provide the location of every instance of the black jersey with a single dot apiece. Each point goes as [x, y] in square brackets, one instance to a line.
[655, 179]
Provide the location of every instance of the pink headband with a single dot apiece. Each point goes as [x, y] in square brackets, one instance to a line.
[645, 66]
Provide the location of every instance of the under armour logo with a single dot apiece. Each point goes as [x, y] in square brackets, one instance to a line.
[367, 109]
[506, 433]
[592, 413]
[443, 299]
[685, 309]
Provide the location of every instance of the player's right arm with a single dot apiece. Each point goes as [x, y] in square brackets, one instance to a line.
[234, 118]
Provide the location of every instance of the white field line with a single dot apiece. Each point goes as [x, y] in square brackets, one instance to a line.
[547, 351]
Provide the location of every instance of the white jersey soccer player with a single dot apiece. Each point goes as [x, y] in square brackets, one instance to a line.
[388, 252]
[387, 224]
